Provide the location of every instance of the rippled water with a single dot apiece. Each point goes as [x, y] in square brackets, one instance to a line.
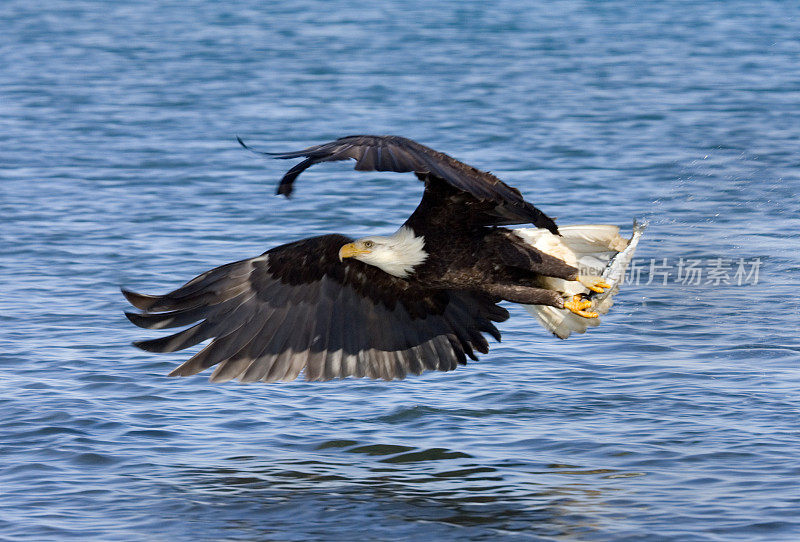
[677, 419]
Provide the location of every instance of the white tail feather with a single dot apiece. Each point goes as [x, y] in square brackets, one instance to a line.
[591, 248]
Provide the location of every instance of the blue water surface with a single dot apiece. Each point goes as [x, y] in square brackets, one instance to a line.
[677, 419]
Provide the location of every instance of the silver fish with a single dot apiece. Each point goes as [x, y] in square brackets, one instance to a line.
[614, 272]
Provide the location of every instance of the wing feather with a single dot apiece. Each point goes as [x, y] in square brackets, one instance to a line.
[506, 205]
[298, 308]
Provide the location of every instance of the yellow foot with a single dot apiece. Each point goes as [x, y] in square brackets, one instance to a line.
[593, 282]
[578, 304]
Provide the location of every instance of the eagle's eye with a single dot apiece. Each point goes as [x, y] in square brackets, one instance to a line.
[369, 244]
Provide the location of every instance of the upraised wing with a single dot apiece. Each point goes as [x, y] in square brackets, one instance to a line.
[297, 307]
[395, 153]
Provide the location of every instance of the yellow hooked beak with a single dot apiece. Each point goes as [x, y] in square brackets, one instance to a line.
[350, 250]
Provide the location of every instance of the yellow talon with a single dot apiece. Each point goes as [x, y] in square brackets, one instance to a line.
[594, 283]
[577, 305]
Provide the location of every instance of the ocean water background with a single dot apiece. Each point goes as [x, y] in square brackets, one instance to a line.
[677, 419]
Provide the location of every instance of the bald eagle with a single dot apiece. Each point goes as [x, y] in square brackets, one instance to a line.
[385, 306]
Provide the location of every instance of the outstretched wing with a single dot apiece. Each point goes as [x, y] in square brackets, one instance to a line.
[298, 307]
[394, 153]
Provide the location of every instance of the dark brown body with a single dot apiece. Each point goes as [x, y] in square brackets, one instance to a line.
[466, 253]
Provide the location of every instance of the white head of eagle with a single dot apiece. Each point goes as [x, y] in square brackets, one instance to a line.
[396, 255]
